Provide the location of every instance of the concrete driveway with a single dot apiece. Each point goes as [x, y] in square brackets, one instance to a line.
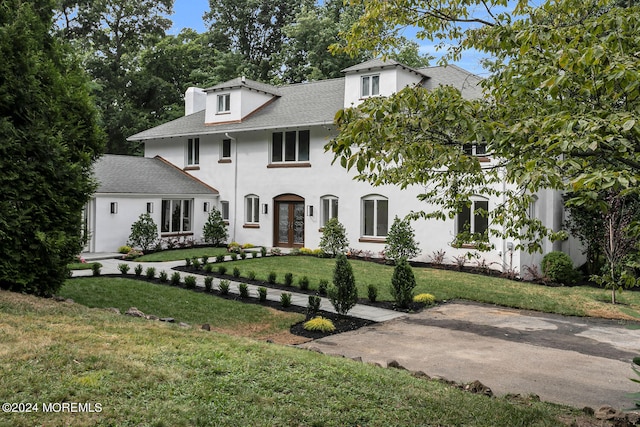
[569, 360]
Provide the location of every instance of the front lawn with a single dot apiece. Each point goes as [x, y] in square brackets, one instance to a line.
[232, 317]
[447, 285]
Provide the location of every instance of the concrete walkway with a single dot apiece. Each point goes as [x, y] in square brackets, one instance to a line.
[110, 263]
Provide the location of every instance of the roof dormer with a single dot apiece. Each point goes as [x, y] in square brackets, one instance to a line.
[377, 78]
[232, 101]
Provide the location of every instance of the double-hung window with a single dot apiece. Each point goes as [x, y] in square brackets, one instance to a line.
[226, 149]
[473, 218]
[193, 151]
[370, 85]
[252, 209]
[375, 216]
[328, 209]
[290, 146]
[224, 103]
[224, 210]
[176, 215]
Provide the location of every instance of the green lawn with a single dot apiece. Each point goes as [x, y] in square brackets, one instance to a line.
[180, 254]
[156, 374]
[447, 285]
[82, 265]
[184, 306]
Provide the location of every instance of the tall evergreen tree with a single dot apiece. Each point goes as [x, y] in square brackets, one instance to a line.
[48, 141]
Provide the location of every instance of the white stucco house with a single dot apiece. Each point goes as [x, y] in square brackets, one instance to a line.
[262, 148]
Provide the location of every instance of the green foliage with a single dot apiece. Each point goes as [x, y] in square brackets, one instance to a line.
[402, 283]
[343, 294]
[234, 256]
[150, 272]
[195, 262]
[558, 267]
[219, 258]
[49, 134]
[334, 238]
[303, 283]
[236, 272]
[144, 232]
[124, 268]
[205, 259]
[95, 268]
[175, 278]
[215, 229]
[288, 279]
[224, 287]
[187, 262]
[271, 278]
[313, 306]
[263, 251]
[251, 275]
[124, 249]
[285, 299]
[190, 282]
[401, 242]
[208, 268]
[262, 294]
[243, 290]
[323, 285]
[372, 293]
[320, 324]
[424, 298]
[208, 283]
[138, 270]
[243, 255]
[222, 269]
[163, 277]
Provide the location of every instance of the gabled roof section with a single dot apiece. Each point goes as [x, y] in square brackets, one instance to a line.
[242, 82]
[378, 64]
[452, 75]
[145, 175]
[299, 105]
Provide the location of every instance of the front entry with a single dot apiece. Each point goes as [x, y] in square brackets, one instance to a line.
[289, 221]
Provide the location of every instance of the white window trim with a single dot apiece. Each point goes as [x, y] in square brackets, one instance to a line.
[222, 211]
[328, 198]
[193, 152]
[255, 209]
[226, 103]
[182, 216]
[472, 211]
[284, 145]
[369, 85]
[376, 198]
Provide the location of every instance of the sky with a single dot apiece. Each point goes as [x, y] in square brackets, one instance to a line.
[188, 14]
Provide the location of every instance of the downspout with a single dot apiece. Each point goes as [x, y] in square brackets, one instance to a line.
[235, 185]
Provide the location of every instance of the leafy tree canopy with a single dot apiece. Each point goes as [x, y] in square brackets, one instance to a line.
[561, 108]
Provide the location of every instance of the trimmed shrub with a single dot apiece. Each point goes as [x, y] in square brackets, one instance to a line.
[124, 249]
[138, 270]
[288, 279]
[263, 251]
[150, 272]
[401, 241]
[313, 306]
[187, 262]
[243, 290]
[205, 260]
[175, 279]
[208, 283]
[372, 293]
[243, 255]
[251, 275]
[303, 282]
[402, 283]
[222, 269]
[334, 238]
[208, 268]
[558, 267]
[195, 262]
[190, 282]
[95, 268]
[144, 232]
[322, 286]
[163, 277]
[262, 294]
[343, 294]
[236, 272]
[224, 287]
[124, 268]
[219, 258]
[319, 324]
[271, 278]
[234, 256]
[427, 299]
[285, 299]
[215, 229]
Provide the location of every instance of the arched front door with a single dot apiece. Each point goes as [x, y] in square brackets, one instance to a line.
[288, 226]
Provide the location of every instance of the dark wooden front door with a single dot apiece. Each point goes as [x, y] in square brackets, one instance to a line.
[289, 222]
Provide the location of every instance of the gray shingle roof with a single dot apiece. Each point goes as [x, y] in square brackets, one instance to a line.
[251, 84]
[304, 104]
[144, 175]
[379, 64]
[452, 75]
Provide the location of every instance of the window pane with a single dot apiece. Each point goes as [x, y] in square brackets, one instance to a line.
[196, 151]
[224, 209]
[481, 223]
[365, 86]
[226, 148]
[220, 103]
[382, 222]
[369, 206]
[303, 145]
[290, 146]
[256, 209]
[186, 215]
[248, 209]
[464, 220]
[190, 151]
[276, 147]
[326, 215]
[166, 216]
[175, 215]
[334, 204]
[375, 85]
[481, 149]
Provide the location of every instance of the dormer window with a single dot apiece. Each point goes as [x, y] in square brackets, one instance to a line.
[370, 85]
[224, 103]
